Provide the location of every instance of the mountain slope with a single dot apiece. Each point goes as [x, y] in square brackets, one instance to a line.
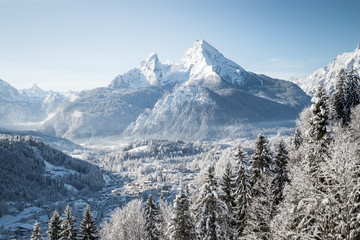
[31, 170]
[28, 107]
[8, 92]
[15, 107]
[327, 75]
[101, 112]
[193, 112]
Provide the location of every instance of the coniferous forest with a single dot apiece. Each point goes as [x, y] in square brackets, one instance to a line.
[308, 188]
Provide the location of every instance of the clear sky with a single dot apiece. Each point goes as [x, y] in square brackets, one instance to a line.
[82, 44]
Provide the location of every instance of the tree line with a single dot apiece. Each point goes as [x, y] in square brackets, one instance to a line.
[64, 228]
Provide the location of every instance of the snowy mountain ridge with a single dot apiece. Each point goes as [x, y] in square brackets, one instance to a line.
[327, 75]
[35, 91]
[8, 92]
[22, 108]
[202, 64]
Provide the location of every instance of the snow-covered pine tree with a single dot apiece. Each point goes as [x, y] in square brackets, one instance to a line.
[209, 209]
[297, 139]
[54, 226]
[227, 186]
[68, 225]
[318, 135]
[151, 220]
[320, 119]
[181, 225]
[260, 160]
[260, 210]
[338, 99]
[88, 229]
[280, 172]
[352, 92]
[36, 235]
[242, 193]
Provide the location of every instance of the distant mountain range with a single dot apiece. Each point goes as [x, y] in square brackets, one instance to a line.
[203, 96]
[326, 76]
[21, 107]
[195, 98]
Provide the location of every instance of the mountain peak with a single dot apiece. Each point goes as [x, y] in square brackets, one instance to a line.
[358, 46]
[204, 46]
[35, 90]
[151, 69]
[200, 51]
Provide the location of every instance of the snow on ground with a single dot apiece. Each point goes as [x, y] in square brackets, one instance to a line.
[57, 171]
[139, 149]
[9, 222]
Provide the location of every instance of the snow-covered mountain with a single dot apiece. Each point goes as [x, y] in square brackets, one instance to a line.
[8, 92]
[201, 65]
[190, 99]
[101, 112]
[18, 108]
[193, 112]
[35, 91]
[327, 75]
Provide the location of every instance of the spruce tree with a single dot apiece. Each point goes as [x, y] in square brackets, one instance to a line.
[338, 98]
[260, 210]
[88, 229]
[297, 139]
[320, 119]
[68, 225]
[352, 93]
[227, 186]
[242, 193]
[259, 213]
[319, 135]
[36, 235]
[182, 223]
[260, 160]
[151, 220]
[209, 209]
[54, 226]
[280, 172]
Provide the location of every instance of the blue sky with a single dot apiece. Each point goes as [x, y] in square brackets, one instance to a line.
[82, 44]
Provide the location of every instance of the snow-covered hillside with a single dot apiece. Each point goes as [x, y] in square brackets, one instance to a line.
[30, 169]
[327, 75]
